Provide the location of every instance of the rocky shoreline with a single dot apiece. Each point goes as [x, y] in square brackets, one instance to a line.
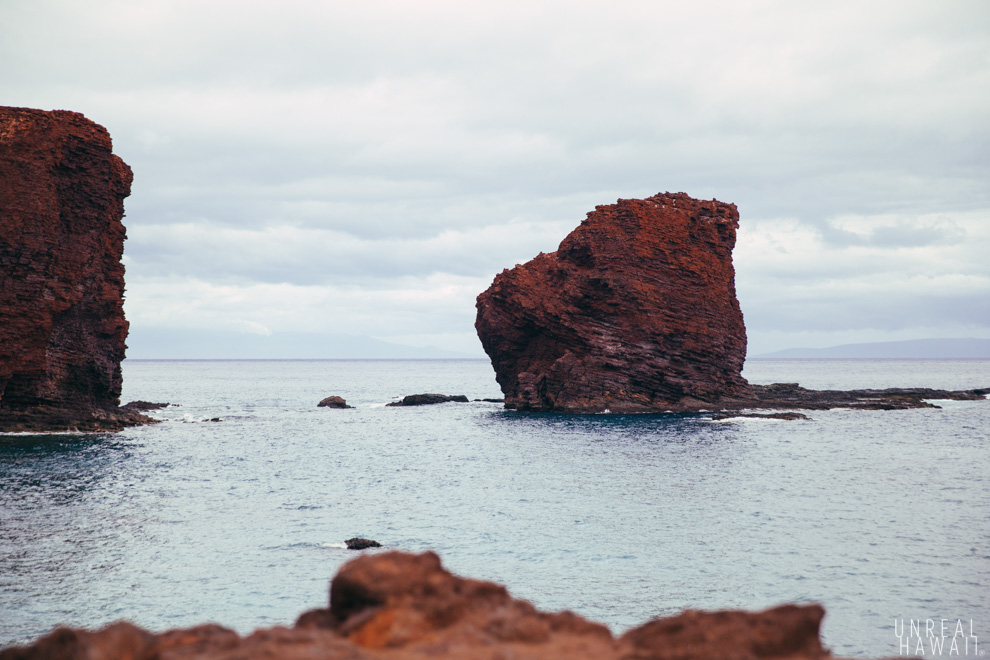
[396, 605]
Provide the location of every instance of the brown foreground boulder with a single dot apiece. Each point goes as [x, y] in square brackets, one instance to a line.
[62, 326]
[397, 605]
[636, 311]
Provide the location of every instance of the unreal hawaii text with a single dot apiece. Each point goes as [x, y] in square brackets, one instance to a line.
[937, 637]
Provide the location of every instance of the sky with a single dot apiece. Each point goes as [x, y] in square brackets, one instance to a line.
[312, 170]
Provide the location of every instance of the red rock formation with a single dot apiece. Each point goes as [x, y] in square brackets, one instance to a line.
[636, 311]
[62, 326]
[396, 605]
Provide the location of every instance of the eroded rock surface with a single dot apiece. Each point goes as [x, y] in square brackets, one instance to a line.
[397, 605]
[62, 326]
[636, 311]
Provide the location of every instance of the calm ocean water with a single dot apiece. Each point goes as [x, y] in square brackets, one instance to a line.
[878, 515]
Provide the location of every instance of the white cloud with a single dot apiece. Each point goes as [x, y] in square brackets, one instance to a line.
[889, 277]
[404, 305]
[325, 153]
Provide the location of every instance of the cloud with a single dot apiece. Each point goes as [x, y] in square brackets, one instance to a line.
[396, 307]
[334, 153]
[308, 256]
[253, 328]
[881, 276]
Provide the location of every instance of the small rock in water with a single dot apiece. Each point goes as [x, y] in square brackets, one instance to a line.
[144, 406]
[333, 402]
[358, 543]
[428, 399]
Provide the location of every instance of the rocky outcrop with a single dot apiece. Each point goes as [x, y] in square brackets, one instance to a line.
[428, 399]
[358, 543]
[62, 326]
[636, 311]
[396, 605]
[791, 396]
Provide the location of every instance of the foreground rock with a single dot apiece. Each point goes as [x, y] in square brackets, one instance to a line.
[333, 402]
[636, 311]
[397, 605]
[62, 326]
[428, 399]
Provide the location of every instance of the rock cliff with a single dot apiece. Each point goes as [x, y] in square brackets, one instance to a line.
[62, 326]
[636, 311]
[397, 605]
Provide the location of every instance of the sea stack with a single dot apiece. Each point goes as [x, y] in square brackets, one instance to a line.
[636, 311]
[62, 326]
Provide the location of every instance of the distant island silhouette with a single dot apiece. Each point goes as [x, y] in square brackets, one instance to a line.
[909, 349]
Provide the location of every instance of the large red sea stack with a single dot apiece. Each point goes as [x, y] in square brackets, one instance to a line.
[62, 326]
[636, 311]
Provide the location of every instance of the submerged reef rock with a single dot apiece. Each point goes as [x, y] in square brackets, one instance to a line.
[62, 326]
[636, 311]
[428, 399]
[397, 605]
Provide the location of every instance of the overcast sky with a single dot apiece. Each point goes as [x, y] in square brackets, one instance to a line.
[366, 168]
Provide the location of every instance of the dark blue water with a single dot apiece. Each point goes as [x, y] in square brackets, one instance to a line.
[879, 515]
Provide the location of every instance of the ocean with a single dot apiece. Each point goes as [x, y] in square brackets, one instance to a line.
[881, 516]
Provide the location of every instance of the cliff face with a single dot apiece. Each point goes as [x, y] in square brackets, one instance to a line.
[397, 606]
[62, 326]
[636, 311]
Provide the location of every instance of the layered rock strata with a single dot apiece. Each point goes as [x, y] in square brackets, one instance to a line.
[636, 311]
[396, 605]
[62, 326]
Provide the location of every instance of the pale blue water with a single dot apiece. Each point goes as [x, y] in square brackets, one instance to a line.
[876, 514]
